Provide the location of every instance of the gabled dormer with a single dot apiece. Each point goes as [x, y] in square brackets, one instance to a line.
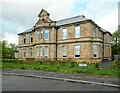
[43, 12]
[44, 19]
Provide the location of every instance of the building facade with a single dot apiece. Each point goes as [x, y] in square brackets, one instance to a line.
[76, 38]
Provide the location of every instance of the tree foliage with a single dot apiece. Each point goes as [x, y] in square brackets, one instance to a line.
[7, 50]
[116, 42]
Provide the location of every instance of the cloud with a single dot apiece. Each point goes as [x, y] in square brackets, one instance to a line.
[25, 13]
[19, 15]
[109, 21]
[11, 38]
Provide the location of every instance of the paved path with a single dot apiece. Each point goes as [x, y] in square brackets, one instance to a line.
[20, 83]
[99, 79]
[106, 64]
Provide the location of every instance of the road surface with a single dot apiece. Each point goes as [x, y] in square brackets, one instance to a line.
[20, 83]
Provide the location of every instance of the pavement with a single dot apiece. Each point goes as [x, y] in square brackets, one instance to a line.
[79, 78]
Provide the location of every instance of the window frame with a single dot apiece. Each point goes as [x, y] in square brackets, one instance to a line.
[64, 49]
[77, 51]
[37, 35]
[94, 32]
[24, 39]
[37, 51]
[31, 52]
[41, 33]
[23, 53]
[64, 33]
[95, 52]
[41, 51]
[76, 31]
[47, 51]
[31, 38]
[46, 30]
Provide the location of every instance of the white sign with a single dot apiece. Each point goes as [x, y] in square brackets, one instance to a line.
[82, 65]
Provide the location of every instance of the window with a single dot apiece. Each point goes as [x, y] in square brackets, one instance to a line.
[77, 31]
[64, 51]
[40, 51]
[37, 51]
[64, 34]
[31, 53]
[31, 38]
[40, 35]
[46, 34]
[16, 54]
[24, 39]
[46, 52]
[108, 38]
[95, 50]
[37, 36]
[24, 53]
[77, 50]
[94, 31]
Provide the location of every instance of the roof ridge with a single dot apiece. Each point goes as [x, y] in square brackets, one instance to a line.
[69, 18]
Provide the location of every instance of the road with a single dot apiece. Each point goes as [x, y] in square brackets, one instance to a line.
[20, 83]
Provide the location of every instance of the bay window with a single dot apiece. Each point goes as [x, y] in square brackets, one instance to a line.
[46, 52]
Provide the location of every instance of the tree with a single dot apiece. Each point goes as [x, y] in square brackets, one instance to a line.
[116, 42]
[7, 50]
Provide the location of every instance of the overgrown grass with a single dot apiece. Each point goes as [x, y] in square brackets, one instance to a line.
[62, 67]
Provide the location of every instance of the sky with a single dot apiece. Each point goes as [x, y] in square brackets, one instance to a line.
[19, 15]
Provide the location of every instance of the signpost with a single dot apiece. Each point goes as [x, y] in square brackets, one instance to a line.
[83, 65]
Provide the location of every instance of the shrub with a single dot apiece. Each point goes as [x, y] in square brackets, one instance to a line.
[73, 64]
[116, 64]
[13, 60]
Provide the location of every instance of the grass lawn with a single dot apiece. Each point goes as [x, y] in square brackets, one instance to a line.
[58, 67]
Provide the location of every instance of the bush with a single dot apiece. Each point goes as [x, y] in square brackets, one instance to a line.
[13, 60]
[73, 64]
[97, 65]
[116, 64]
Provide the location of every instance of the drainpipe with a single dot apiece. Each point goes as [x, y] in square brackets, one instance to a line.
[56, 28]
[103, 47]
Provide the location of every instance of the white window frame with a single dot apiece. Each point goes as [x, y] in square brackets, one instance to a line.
[23, 53]
[37, 51]
[64, 33]
[46, 32]
[77, 31]
[76, 50]
[40, 51]
[31, 36]
[16, 54]
[31, 52]
[95, 50]
[46, 53]
[64, 51]
[24, 39]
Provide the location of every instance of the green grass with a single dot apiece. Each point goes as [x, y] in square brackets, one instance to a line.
[67, 68]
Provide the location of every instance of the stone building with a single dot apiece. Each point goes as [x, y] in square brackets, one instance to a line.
[76, 38]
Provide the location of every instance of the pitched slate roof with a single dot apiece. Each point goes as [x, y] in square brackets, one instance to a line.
[71, 20]
[105, 31]
[75, 19]
[27, 31]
